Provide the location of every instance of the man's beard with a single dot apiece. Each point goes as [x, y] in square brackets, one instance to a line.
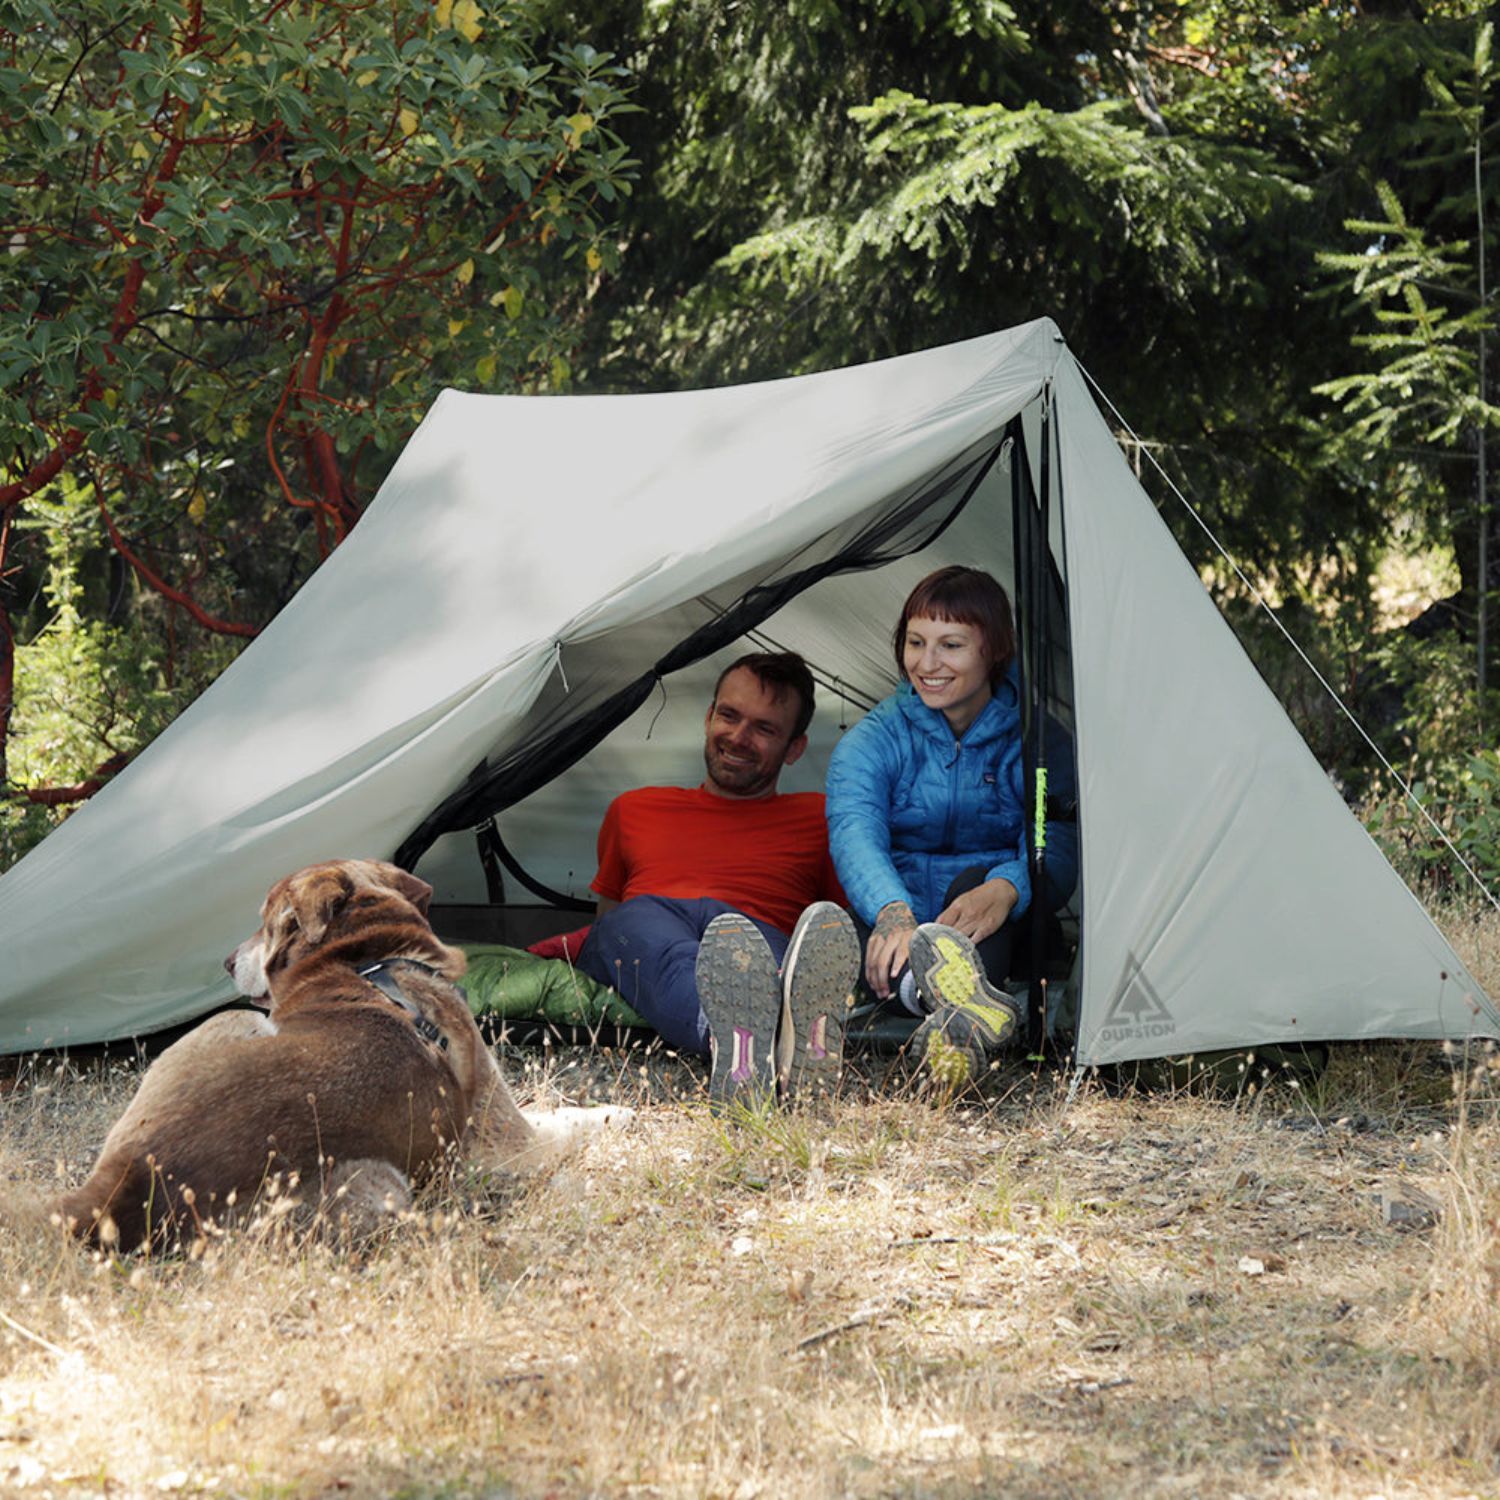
[738, 778]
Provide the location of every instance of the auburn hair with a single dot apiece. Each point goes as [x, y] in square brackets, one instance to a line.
[962, 596]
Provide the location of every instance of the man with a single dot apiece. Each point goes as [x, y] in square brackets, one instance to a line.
[704, 891]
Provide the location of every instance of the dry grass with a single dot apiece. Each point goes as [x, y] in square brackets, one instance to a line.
[1145, 1295]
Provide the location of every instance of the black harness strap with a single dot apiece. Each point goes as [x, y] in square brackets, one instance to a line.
[383, 977]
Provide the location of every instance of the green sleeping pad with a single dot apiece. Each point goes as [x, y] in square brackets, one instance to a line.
[518, 985]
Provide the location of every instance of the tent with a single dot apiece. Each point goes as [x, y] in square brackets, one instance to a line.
[522, 620]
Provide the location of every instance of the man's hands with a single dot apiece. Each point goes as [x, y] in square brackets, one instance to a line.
[980, 912]
[890, 942]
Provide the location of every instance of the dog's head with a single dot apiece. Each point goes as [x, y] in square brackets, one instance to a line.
[336, 900]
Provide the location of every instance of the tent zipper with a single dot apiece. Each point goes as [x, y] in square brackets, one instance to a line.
[950, 828]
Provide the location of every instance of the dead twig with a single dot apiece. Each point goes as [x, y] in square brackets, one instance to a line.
[1005, 1237]
[26, 1333]
[872, 1312]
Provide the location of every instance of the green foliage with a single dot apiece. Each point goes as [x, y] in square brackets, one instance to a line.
[1426, 384]
[1166, 197]
[1440, 706]
[246, 245]
[1455, 788]
[1415, 276]
[1420, 833]
[89, 693]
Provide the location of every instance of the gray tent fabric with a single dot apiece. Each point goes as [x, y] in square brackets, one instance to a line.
[1232, 897]
[527, 558]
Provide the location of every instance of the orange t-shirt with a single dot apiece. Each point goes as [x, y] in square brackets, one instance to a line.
[764, 856]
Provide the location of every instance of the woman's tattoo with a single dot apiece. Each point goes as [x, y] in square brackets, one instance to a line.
[894, 916]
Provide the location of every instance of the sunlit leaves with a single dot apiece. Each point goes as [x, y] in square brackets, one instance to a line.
[231, 157]
[1425, 377]
[1417, 279]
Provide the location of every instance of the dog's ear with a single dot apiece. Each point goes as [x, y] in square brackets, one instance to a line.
[318, 898]
[418, 892]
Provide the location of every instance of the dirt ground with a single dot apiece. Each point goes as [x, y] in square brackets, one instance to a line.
[1285, 1291]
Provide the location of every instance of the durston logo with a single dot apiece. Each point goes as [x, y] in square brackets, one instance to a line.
[1136, 1013]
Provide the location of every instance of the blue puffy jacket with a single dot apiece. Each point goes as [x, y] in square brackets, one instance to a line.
[910, 807]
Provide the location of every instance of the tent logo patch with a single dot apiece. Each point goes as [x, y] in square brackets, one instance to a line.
[1136, 1013]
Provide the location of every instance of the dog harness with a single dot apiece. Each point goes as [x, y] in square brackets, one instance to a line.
[383, 977]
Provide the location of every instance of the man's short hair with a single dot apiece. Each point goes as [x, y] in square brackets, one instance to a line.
[777, 672]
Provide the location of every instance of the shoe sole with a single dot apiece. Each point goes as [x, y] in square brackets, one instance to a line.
[949, 972]
[818, 976]
[740, 994]
[948, 1066]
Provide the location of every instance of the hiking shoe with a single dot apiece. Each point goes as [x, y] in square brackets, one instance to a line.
[740, 993]
[817, 985]
[949, 1051]
[970, 1019]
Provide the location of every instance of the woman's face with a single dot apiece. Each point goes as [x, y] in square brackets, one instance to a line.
[948, 665]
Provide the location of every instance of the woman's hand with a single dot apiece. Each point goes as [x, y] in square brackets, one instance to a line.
[890, 942]
[983, 910]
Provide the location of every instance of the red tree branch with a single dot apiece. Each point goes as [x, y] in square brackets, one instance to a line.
[320, 515]
[320, 454]
[42, 472]
[185, 601]
[62, 796]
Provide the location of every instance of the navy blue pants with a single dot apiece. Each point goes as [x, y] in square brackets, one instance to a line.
[646, 949]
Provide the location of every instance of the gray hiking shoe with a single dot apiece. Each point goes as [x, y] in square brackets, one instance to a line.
[971, 1019]
[740, 993]
[817, 983]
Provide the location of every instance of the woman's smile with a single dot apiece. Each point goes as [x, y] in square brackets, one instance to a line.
[949, 667]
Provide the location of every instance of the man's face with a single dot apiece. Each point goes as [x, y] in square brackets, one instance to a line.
[749, 736]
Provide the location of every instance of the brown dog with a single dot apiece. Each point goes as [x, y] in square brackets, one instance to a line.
[366, 1073]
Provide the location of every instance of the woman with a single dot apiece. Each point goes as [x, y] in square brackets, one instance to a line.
[925, 820]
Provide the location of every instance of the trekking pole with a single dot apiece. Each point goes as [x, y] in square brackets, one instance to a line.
[1041, 610]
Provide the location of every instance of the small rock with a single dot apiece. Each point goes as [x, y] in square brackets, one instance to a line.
[1406, 1208]
[1274, 1263]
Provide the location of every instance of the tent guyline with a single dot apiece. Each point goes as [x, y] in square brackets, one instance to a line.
[1291, 640]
